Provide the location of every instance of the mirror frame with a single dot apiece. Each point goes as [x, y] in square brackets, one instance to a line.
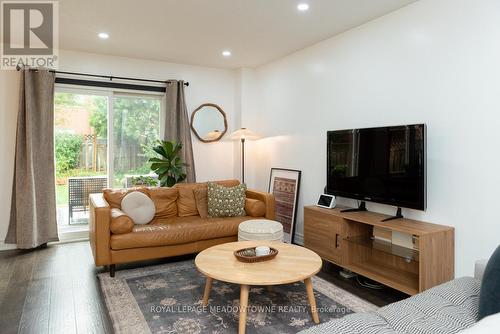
[223, 115]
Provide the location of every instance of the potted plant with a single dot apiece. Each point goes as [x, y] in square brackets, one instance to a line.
[169, 166]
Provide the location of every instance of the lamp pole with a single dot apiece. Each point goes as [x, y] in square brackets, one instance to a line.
[242, 134]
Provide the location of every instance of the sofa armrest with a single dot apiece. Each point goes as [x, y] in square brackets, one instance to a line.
[268, 200]
[479, 268]
[99, 229]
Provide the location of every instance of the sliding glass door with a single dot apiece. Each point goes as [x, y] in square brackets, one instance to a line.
[136, 128]
[81, 153]
[102, 139]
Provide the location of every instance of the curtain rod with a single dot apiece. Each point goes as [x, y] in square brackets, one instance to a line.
[105, 76]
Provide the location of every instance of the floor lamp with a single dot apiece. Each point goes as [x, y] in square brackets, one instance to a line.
[243, 134]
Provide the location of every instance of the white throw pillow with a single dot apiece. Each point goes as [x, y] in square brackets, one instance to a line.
[139, 207]
[488, 325]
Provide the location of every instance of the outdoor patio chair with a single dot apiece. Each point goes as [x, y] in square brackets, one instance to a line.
[79, 189]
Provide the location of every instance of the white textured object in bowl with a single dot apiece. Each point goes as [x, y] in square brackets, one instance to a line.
[139, 207]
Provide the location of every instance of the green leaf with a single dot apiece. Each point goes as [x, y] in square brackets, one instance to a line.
[161, 170]
[156, 165]
[160, 150]
[157, 160]
[171, 181]
[170, 167]
[168, 147]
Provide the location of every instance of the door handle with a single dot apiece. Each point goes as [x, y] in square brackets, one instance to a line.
[336, 240]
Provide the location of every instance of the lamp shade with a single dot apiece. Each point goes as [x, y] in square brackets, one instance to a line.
[244, 133]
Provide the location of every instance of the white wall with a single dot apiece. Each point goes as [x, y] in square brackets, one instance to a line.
[248, 103]
[213, 161]
[436, 62]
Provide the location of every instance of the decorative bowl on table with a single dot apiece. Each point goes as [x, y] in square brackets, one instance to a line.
[249, 255]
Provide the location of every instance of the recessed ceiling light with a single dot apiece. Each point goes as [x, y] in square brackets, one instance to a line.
[302, 7]
[226, 53]
[103, 35]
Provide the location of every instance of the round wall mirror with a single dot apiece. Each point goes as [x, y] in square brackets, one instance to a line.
[209, 122]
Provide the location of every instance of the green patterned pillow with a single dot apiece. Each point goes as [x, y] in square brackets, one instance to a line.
[226, 201]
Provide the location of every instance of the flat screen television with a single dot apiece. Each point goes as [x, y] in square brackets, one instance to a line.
[384, 165]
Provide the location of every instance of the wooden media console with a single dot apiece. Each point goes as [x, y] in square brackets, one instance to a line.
[346, 239]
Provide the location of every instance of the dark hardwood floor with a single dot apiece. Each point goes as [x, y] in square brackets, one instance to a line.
[55, 290]
[51, 290]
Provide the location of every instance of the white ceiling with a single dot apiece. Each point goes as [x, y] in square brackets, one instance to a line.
[197, 31]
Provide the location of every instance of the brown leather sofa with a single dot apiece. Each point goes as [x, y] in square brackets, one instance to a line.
[177, 230]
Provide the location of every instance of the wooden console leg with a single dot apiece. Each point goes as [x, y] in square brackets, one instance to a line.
[208, 287]
[243, 308]
[112, 268]
[312, 300]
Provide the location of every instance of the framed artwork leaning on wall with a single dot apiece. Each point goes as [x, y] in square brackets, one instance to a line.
[284, 184]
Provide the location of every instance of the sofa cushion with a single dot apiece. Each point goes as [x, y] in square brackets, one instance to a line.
[165, 200]
[186, 202]
[489, 300]
[177, 230]
[139, 207]
[120, 222]
[255, 208]
[114, 197]
[226, 201]
[201, 196]
[224, 183]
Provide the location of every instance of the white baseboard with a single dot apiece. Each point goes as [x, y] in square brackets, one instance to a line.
[75, 235]
[67, 241]
[63, 238]
[6, 247]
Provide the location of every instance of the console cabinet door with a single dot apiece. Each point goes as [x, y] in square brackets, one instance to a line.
[323, 234]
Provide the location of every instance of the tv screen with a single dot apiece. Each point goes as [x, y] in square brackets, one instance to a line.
[384, 165]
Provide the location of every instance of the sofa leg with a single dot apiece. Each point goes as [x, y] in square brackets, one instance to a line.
[112, 268]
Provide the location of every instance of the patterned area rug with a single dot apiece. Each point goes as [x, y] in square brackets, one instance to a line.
[167, 299]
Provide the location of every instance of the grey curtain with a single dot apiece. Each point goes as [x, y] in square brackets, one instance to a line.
[177, 124]
[33, 206]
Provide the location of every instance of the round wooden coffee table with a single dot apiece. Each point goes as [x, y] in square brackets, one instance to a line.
[292, 264]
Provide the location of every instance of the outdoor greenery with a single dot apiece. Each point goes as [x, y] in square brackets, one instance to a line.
[136, 128]
[68, 148]
[169, 167]
[78, 172]
[81, 139]
[135, 131]
[95, 105]
[144, 181]
[134, 119]
[99, 117]
[62, 194]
